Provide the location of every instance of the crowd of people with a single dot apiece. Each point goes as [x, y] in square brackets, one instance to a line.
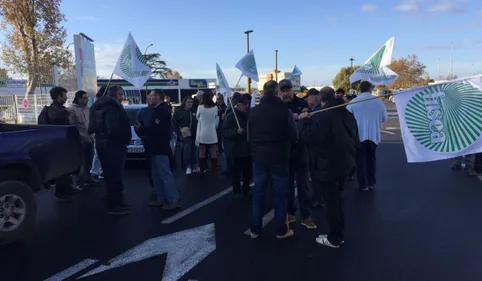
[311, 145]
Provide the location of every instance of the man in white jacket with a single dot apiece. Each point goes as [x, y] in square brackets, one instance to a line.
[370, 115]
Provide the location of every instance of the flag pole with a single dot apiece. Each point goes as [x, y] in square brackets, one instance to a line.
[238, 81]
[108, 84]
[234, 112]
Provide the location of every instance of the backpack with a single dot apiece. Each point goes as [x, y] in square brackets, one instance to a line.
[43, 117]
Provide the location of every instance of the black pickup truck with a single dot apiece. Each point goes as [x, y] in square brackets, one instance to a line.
[31, 156]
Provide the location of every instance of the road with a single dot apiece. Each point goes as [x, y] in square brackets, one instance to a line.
[417, 225]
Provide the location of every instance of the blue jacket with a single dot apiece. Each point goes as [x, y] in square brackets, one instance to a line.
[156, 129]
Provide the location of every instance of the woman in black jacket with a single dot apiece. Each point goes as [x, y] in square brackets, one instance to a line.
[185, 124]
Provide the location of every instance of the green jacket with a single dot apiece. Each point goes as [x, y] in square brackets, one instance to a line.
[184, 118]
[235, 145]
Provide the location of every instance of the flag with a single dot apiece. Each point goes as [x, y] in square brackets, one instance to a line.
[131, 65]
[247, 65]
[375, 69]
[441, 121]
[222, 81]
[253, 100]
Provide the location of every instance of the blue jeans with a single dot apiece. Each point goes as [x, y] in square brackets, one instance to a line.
[190, 153]
[96, 169]
[279, 176]
[164, 183]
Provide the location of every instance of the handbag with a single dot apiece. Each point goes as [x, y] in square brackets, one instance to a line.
[186, 131]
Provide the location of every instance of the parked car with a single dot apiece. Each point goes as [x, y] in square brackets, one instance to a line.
[135, 149]
[30, 157]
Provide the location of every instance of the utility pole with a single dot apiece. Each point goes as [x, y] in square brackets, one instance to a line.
[452, 61]
[247, 32]
[276, 65]
[351, 62]
[145, 56]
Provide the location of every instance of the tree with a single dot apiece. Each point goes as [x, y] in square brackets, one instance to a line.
[4, 74]
[34, 38]
[411, 72]
[342, 79]
[173, 75]
[158, 66]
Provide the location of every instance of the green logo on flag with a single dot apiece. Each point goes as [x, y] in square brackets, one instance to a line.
[249, 65]
[447, 117]
[126, 63]
[222, 83]
[373, 65]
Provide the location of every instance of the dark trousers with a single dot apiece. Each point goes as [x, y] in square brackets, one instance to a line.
[242, 169]
[87, 158]
[149, 170]
[366, 162]
[299, 172]
[333, 195]
[112, 157]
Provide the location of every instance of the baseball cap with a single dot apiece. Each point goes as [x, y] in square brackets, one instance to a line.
[285, 84]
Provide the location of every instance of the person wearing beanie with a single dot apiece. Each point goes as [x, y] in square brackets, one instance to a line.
[110, 124]
[333, 137]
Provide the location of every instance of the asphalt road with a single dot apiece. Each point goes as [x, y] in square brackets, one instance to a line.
[419, 224]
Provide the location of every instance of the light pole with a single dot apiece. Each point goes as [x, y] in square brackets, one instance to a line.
[145, 56]
[351, 62]
[276, 65]
[247, 32]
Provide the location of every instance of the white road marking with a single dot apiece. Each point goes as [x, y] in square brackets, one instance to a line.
[72, 270]
[197, 206]
[185, 249]
[391, 128]
[388, 132]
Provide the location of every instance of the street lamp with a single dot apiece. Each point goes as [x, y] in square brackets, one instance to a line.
[276, 65]
[145, 56]
[351, 62]
[247, 32]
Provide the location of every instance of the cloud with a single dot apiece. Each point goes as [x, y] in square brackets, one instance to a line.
[449, 6]
[456, 45]
[368, 8]
[409, 6]
[85, 18]
[462, 27]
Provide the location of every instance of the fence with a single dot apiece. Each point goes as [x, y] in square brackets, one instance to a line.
[25, 109]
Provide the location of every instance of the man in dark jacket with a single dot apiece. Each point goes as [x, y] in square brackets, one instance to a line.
[299, 169]
[271, 132]
[333, 137]
[237, 147]
[155, 126]
[109, 122]
[57, 114]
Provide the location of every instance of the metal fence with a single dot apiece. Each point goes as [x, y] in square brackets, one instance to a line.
[25, 109]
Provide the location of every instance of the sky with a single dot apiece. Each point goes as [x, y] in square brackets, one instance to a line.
[318, 36]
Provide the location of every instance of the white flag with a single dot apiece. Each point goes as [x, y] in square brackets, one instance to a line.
[247, 65]
[253, 100]
[296, 72]
[375, 69]
[131, 65]
[223, 82]
[441, 121]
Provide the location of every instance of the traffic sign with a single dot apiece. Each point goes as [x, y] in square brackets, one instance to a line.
[25, 103]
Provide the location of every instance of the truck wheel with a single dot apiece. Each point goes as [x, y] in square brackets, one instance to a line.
[18, 211]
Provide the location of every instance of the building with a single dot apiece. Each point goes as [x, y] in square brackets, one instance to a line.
[263, 78]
